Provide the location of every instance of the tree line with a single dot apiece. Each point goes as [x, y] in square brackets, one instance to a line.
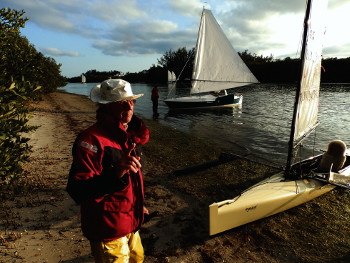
[26, 74]
[266, 69]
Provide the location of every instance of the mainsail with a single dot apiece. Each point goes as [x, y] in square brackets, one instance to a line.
[307, 94]
[308, 103]
[217, 65]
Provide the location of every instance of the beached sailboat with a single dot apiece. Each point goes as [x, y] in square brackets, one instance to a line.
[83, 79]
[299, 182]
[217, 67]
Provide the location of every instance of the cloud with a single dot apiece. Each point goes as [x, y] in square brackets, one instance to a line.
[187, 7]
[340, 51]
[115, 11]
[138, 27]
[50, 14]
[58, 53]
[265, 26]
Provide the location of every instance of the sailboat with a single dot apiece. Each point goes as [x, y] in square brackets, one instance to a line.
[299, 182]
[217, 67]
[171, 84]
[83, 79]
[171, 76]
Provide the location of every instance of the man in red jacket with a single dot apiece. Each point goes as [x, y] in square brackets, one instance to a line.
[105, 177]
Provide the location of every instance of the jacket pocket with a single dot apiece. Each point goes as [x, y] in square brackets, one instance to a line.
[118, 206]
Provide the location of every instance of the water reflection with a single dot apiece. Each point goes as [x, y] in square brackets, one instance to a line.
[261, 125]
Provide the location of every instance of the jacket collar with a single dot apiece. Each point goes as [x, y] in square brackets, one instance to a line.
[115, 128]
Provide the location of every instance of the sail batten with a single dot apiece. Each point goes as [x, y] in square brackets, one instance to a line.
[213, 49]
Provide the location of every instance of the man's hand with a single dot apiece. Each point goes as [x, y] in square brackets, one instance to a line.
[128, 163]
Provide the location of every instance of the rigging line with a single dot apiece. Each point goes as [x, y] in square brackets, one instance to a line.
[170, 92]
[313, 148]
[312, 129]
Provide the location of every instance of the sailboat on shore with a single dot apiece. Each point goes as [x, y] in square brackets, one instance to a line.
[217, 67]
[302, 181]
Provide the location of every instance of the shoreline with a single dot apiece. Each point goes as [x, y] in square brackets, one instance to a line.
[44, 225]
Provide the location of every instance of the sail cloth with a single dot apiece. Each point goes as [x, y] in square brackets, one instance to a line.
[171, 84]
[217, 65]
[306, 118]
[171, 76]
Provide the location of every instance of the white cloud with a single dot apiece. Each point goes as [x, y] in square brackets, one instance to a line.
[187, 7]
[58, 53]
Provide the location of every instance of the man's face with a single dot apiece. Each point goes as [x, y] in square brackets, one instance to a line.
[122, 110]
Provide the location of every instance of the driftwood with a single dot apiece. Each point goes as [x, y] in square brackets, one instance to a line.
[223, 158]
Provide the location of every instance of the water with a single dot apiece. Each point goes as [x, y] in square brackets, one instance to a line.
[261, 125]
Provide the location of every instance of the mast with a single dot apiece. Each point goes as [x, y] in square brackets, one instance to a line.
[297, 95]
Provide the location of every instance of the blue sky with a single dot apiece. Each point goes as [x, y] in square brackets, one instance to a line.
[130, 35]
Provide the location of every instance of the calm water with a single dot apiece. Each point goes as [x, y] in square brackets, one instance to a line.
[261, 125]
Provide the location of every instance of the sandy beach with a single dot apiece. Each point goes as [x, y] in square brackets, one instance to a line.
[44, 224]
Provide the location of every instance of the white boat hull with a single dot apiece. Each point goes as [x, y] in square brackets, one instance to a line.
[268, 197]
[204, 101]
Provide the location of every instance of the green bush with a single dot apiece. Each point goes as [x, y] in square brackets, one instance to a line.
[14, 117]
[25, 75]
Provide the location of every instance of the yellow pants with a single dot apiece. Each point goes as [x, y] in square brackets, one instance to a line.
[122, 250]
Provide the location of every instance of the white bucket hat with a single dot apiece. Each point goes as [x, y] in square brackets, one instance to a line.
[112, 90]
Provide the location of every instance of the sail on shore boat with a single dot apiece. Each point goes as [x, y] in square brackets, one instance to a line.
[299, 182]
[217, 67]
[83, 79]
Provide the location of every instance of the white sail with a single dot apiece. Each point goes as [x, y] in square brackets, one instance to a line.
[171, 84]
[171, 76]
[217, 65]
[83, 78]
[307, 110]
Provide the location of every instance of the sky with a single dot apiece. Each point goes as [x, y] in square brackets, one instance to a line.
[131, 35]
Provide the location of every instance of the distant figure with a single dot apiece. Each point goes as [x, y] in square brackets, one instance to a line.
[335, 155]
[155, 97]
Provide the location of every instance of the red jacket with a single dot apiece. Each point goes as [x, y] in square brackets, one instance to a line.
[110, 207]
[155, 94]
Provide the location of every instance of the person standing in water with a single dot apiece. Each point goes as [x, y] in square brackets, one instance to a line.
[155, 97]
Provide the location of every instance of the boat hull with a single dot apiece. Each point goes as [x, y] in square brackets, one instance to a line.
[268, 197]
[207, 101]
[271, 196]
